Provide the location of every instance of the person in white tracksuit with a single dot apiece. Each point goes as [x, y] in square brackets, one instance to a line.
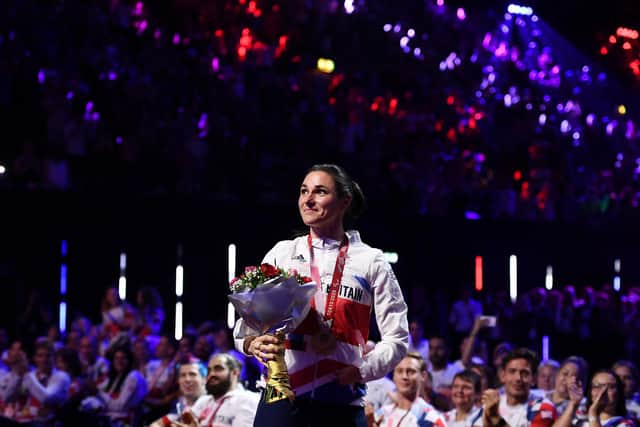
[328, 375]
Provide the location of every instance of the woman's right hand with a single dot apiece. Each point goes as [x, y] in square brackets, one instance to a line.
[599, 403]
[265, 347]
[574, 388]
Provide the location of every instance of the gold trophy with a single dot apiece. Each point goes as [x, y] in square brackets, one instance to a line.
[278, 386]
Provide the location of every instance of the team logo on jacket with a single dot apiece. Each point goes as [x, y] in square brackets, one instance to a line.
[347, 292]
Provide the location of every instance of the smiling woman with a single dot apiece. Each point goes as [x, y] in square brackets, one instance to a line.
[328, 197]
[324, 354]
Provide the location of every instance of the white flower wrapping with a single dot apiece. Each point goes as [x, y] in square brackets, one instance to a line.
[277, 305]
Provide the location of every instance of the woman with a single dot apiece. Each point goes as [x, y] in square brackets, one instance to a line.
[324, 354]
[568, 394]
[120, 395]
[571, 375]
[606, 402]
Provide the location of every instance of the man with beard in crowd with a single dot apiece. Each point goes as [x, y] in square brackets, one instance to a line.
[228, 403]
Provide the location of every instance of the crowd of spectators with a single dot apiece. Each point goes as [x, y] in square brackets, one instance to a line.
[124, 367]
[208, 98]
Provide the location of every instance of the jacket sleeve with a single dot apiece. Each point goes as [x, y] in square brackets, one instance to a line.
[132, 393]
[9, 383]
[544, 414]
[391, 317]
[246, 410]
[55, 393]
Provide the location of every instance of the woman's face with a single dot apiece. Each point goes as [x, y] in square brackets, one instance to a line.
[120, 361]
[567, 374]
[319, 203]
[610, 397]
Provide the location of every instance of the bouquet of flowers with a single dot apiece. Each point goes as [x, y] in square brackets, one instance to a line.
[272, 300]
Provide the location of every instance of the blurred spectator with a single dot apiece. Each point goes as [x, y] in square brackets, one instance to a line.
[627, 371]
[33, 396]
[546, 376]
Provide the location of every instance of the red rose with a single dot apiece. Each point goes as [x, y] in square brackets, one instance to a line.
[250, 269]
[306, 279]
[269, 270]
[234, 280]
[293, 272]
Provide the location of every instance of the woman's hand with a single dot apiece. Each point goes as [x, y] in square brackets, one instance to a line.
[265, 347]
[576, 394]
[599, 403]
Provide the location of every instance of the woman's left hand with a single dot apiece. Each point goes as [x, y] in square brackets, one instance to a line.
[349, 375]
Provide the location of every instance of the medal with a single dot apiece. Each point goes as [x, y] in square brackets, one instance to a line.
[324, 341]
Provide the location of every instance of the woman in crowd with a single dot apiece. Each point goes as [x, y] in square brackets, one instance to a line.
[572, 373]
[119, 397]
[605, 400]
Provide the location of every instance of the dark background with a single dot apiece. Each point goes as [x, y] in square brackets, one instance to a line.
[434, 253]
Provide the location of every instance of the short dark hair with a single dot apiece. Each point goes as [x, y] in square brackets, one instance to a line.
[522, 353]
[202, 369]
[345, 187]
[472, 377]
[582, 365]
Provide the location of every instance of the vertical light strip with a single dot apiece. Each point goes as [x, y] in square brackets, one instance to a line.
[231, 269]
[545, 348]
[62, 311]
[179, 291]
[617, 285]
[63, 317]
[548, 278]
[179, 280]
[122, 281]
[178, 330]
[513, 278]
[479, 280]
[63, 279]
